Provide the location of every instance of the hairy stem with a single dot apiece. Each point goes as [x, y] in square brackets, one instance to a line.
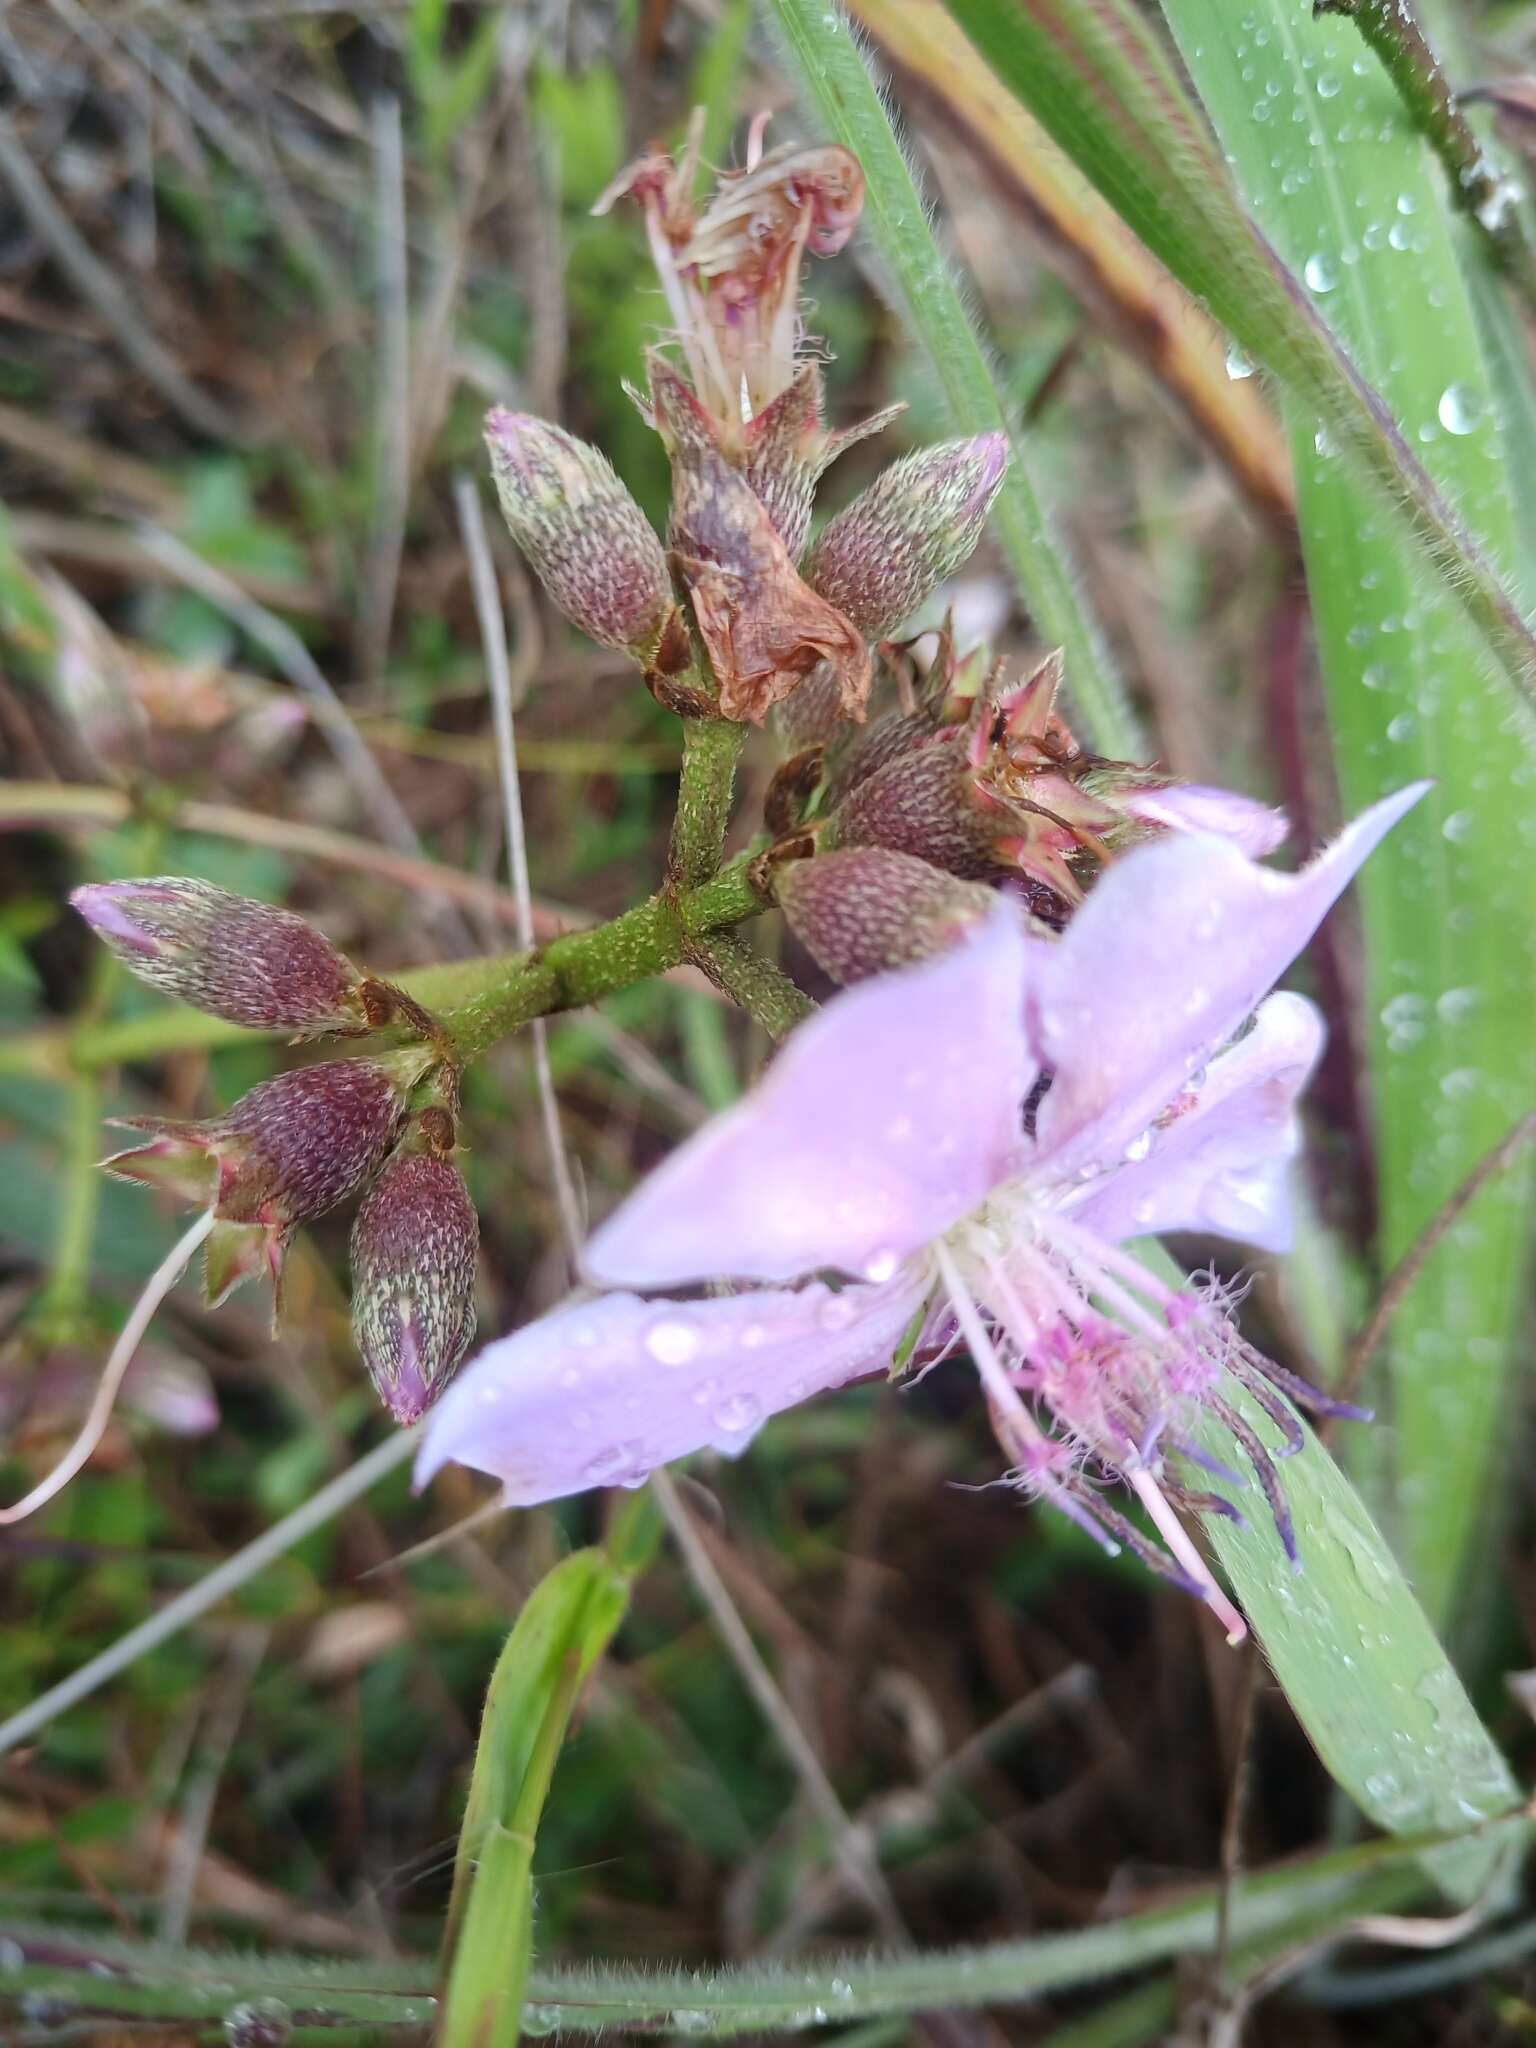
[1477, 187]
[711, 749]
[753, 983]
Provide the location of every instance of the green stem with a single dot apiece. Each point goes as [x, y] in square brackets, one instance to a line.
[79, 1202]
[1477, 187]
[711, 749]
[478, 1001]
[753, 983]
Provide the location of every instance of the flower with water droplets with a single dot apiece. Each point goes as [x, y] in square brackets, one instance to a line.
[970, 1143]
[241, 960]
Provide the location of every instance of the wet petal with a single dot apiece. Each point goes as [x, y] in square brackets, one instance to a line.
[884, 1119]
[1252, 827]
[1222, 1164]
[601, 1392]
[1173, 949]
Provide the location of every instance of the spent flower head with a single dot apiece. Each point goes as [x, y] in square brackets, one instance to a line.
[970, 1143]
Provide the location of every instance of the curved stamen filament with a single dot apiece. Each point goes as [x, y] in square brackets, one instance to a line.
[1173, 1533]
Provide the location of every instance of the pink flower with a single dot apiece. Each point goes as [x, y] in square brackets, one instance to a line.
[971, 1142]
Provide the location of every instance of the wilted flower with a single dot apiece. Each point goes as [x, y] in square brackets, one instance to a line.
[589, 542]
[731, 272]
[1009, 792]
[916, 524]
[241, 960]
[413, 1279]
[973, 1139]
[762, 625]
[286, 1152]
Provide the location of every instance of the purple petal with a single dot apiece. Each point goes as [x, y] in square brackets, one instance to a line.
[1173, 949]
[1222, 1165]
[601, 1392]
[884, 1120]
[1252, 827]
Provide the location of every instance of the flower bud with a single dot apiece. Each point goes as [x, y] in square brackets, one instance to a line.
[915, 525]
[591, 545]
[413, 1280]
[868, 909]
[288, 1151]
[244, 961]
[788, 445]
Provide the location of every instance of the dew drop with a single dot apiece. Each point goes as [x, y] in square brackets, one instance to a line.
[1460, 409]
[1138, 1148]
[1320, 272]
[880, 1266]
[1238, 365]
[672, 1341]
[1403, 727]
[739, 1414]
[1328, 85]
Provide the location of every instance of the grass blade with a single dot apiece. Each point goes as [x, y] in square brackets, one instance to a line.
[1102, 85]
[836, 82]
[1103, 263]
[1349, 193]
[108, 1973]
[566, 1624]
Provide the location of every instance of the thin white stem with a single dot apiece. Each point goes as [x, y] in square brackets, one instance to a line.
[853, 1846]
[224, 1579]
[92, 1430]
[498, 670]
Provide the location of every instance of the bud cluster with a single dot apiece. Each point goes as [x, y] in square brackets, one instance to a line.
[295, 1147]
[734, 616]
[926, 810]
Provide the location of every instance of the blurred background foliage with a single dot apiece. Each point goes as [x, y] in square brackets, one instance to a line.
[262, 268]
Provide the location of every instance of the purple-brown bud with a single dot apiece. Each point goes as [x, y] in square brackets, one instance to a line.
[288, 1151]
[786, 448]
[916, 524]
[244, 961]
[589, 542]
[868, 909]
[413, 1280]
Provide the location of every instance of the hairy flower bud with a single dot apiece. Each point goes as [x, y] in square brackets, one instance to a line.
[413, 1280]
[786, 448]
[591, 545]
[867, 910]
[244, 961]
[915, 525]
[286, 1152]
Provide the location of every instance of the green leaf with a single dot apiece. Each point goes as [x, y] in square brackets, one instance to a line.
[836, 83]
[106, 1973]
[1362, 1668]
[1099, 81]
[566, 1624]
[1346, 190]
